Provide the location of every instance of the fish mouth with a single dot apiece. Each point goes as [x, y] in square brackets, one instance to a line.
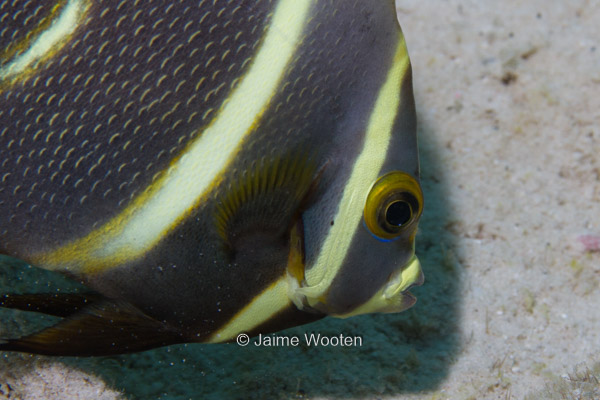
[397, 289]
[395, 295]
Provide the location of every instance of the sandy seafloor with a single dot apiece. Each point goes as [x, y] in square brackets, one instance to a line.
[508, 100]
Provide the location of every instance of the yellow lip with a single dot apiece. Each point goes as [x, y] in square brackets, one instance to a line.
[410, 276]
[394, 296]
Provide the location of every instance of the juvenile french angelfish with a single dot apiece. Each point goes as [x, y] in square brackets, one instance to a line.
[205, 168]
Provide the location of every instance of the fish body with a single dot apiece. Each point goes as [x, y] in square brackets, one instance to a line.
[206, 168]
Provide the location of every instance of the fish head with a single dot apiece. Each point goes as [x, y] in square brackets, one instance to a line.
[368, 266]
[359, 238]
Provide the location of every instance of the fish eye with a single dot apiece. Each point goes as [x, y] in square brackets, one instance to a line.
[393, 205]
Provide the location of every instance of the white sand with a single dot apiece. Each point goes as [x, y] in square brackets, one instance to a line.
[511, 171]
[520, 165]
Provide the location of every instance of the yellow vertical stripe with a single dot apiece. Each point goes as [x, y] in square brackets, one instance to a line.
[264, 306]
[365, 171]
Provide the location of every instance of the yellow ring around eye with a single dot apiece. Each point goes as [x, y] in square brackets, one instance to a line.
[393, 205]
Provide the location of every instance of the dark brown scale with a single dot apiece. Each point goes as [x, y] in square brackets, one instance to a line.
[113, 108]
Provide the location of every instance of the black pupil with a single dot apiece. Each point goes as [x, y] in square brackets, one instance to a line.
[398, 213]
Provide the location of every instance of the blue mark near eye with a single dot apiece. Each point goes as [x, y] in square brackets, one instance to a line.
[377, 237]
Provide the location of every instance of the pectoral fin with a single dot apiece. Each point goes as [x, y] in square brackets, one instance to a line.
[93, 327]
[268, 198]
